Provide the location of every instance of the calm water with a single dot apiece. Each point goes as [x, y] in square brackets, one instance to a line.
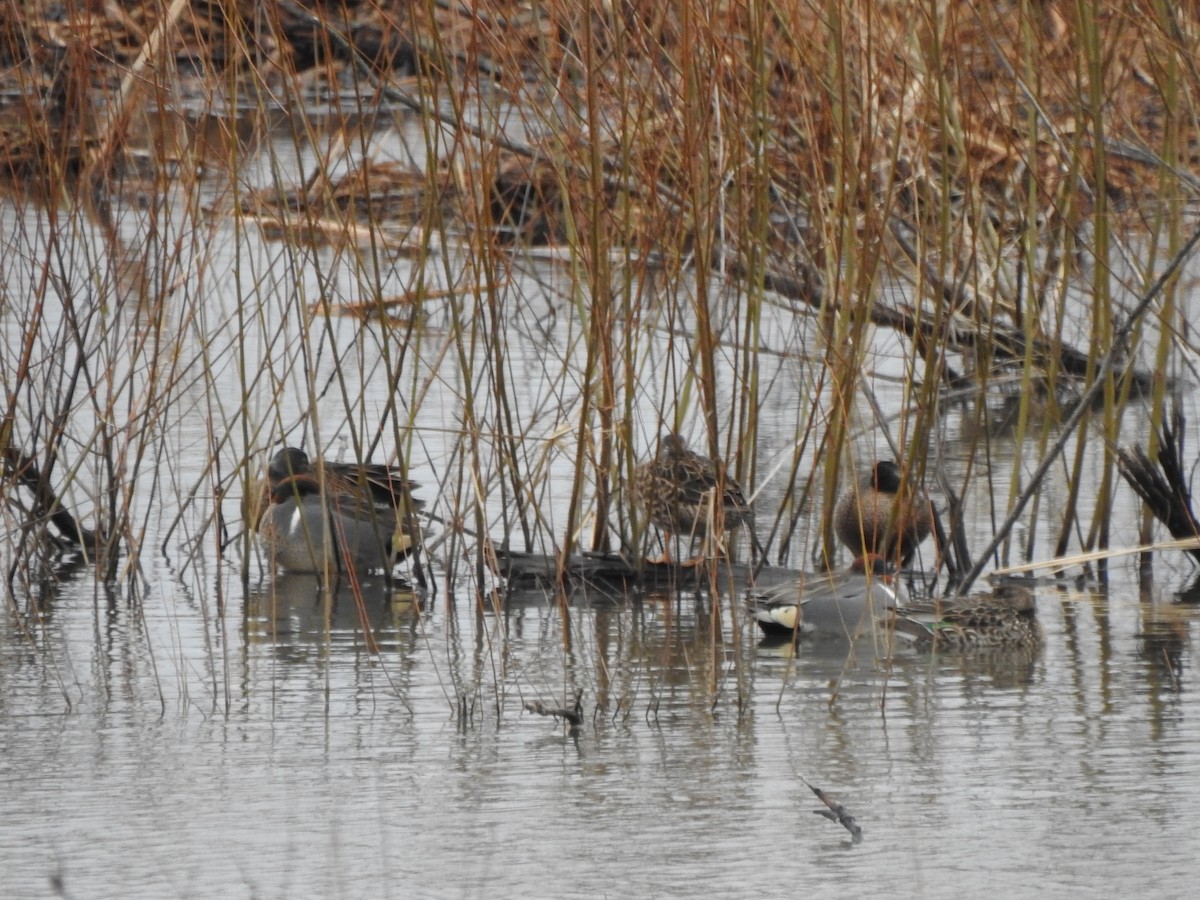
[199, 738]
[266, 754]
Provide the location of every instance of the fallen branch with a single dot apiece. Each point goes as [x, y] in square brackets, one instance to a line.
[1008, 344]
[836, 813]
[1163, 487]
[46, 504]
[573, 716]
[1079, 559]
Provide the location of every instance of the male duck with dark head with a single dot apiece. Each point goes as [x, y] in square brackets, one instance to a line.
[868, 594]
[362, 521]
[676, 489]
[870, 520]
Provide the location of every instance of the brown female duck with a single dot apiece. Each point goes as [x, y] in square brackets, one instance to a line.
[677, 491]
[1006, 619]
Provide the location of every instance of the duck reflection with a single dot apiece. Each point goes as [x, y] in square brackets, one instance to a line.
[1165, 637]
[295, 609]
[651, 648]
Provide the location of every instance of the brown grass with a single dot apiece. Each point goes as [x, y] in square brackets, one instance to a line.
[991, 158]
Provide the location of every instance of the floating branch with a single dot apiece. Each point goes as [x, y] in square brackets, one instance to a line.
[836, 813]
[23, 469]
[573, 716]
[1163, 487]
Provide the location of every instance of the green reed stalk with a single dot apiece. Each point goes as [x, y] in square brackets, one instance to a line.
[1175, 151]
[844, 316]
[1101, 320]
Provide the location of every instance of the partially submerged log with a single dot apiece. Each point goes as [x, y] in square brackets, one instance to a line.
[519, 568]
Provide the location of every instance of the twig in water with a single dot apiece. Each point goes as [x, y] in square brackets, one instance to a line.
[836, 813]
[1163, 487]
[573, 716]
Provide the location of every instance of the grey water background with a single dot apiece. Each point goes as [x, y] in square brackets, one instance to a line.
[207, 739]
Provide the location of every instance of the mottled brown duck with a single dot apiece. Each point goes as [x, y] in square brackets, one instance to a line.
[677, 490]
[1005, 619]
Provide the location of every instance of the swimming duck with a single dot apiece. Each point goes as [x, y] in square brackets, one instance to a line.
[676, 490]
[840, 605]
[868, 519]
[1006, 619]
[364, 523]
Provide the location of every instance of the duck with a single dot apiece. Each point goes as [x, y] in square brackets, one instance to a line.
[838, 605]
[676, 489]
[362, 521]
[868, 519]
[1006, 619]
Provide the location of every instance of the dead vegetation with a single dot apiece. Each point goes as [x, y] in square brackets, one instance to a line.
[992, 158]
[993, 114]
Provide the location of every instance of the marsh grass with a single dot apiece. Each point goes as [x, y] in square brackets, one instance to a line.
[700, 215]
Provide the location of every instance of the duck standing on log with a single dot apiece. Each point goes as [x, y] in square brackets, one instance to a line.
[870, 518]
[678, 488]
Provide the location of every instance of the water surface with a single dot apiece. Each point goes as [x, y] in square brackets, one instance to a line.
[282, 753]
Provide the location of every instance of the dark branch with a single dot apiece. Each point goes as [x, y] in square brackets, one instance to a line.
[836, 813]
[46, 504]
[573, 716]
[1163, 487]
